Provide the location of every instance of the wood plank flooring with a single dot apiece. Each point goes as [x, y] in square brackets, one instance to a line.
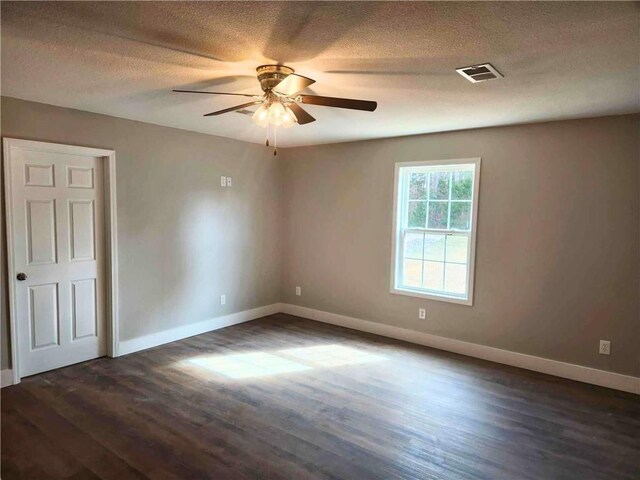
[288, 398]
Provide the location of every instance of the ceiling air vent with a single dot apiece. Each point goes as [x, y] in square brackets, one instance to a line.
[479, 73]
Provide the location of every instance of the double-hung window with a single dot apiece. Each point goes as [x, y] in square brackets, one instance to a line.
[434, 234]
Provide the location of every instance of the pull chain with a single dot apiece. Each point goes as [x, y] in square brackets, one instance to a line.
[275, 140]
[267, 135]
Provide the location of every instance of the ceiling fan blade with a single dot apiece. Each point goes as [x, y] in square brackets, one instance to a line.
[231, 109]
[293, 84]
[219, 93]
[349, 103]
[301, 114]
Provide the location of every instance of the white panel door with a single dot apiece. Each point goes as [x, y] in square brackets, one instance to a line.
[57, 215]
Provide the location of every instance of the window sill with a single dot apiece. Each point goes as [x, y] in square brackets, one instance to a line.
[432, 296]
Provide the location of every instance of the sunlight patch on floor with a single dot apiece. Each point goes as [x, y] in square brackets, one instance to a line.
[331, 355]
[262, 364]
[245, 365]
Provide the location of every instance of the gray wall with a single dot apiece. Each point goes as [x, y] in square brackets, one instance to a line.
[558, 233]
[182, 239]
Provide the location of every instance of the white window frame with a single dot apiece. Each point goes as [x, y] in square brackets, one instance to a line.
[397, 235]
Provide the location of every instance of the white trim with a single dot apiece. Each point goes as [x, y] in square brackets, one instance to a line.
[571, 371]
[111, 214]
[8, 205]
[189, 330]
[6, 378]
[111, 239]
[395, 234]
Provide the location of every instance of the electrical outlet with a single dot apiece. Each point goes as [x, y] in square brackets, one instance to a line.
[422, 313]
[223, 299]
[229, 182]
[605, 347]
[223, 181]
[298, 291]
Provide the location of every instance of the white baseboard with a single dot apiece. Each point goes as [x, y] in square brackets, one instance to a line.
[6, 378]
[571, 371]
[178, 333]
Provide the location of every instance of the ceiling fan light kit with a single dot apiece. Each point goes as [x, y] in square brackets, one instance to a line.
[275, 114]
[279, 105]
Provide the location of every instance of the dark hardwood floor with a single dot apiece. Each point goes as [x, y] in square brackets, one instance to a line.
[327, 403]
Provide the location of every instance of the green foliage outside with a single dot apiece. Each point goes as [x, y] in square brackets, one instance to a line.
[433, 188]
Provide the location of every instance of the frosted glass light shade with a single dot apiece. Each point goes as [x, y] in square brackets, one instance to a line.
[276, 114]
[289, 119]
[261, 117]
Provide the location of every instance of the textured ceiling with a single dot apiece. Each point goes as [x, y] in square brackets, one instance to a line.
[560, 60]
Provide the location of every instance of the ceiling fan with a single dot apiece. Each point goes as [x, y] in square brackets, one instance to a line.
[281, 100]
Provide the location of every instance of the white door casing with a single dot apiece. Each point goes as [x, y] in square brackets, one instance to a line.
[58, 237]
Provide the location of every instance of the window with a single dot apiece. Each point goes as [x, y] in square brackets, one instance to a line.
[435, 229]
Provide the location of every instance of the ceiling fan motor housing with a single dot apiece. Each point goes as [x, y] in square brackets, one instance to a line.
[271, 75]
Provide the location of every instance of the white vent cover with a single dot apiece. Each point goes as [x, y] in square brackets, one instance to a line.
[479, 73]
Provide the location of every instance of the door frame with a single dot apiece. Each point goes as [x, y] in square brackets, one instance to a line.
[109, 168]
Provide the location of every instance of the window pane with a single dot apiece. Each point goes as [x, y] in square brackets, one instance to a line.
[438, 214]
[439, 185]
[417, 214]
[435, 228]
[418, 186]
[412, 273]
[460, 216]
[433, 275]
[461, 186]
[457, 248]
[434, 247]
[413, 245]
[455, 278]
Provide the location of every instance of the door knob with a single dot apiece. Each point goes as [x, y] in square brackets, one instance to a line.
[21, 276]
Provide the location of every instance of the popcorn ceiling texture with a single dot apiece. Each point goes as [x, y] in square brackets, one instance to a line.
[560, 59]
